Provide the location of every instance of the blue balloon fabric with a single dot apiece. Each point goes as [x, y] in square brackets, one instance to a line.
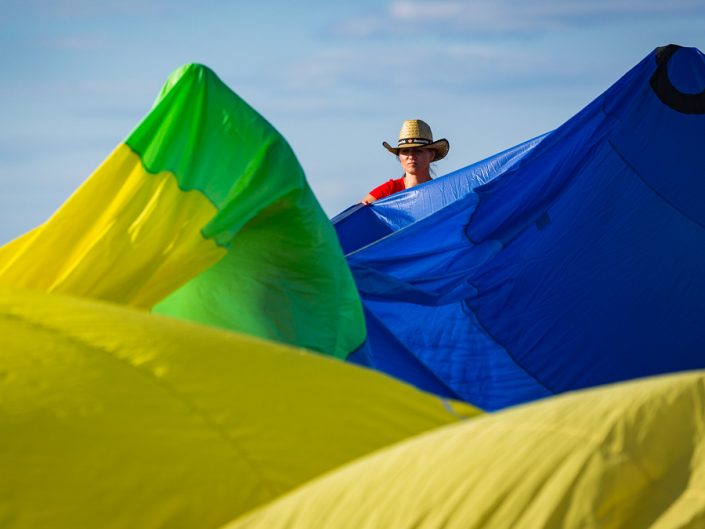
[572, 260]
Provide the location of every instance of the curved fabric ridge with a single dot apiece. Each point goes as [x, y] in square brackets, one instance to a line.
[628, 455]
[214, 142]
[359, 226]
[667, 92]
[203, 180]
[113, 417]
[577, 262]
[126, 236]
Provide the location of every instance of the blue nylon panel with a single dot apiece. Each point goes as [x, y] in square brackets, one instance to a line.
[359, 225]
[386, 353]
[684, 71]
[572, 260]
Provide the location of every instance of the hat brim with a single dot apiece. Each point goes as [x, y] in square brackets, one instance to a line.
[440, 146]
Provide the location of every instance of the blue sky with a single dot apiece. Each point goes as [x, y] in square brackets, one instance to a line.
[336, 78]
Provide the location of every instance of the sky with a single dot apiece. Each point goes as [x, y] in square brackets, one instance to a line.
[335, 78]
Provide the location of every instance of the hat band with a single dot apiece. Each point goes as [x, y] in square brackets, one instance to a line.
[405, 141]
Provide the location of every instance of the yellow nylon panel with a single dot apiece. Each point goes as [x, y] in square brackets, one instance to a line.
[142, 245]
[112, 417]
[627, 456]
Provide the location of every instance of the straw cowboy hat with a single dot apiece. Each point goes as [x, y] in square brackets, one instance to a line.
[416, 134]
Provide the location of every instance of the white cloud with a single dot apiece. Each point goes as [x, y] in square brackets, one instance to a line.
[421, 11]
[483, 17]
[79, 42]
[411, 70]
[361, 27]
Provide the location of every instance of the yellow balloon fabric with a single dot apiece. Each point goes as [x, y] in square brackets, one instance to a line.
[202, 213]
[627, 456]
[114, 417]
[137, 247]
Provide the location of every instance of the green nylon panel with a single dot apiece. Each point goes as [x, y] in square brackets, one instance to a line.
[284, 277]
[278, 287]
[215, 143]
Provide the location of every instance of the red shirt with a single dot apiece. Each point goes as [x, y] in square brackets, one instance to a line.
[388, 188]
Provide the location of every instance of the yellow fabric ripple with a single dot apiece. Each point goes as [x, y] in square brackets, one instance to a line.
[626, 456]
[113, 417]
[141, 246]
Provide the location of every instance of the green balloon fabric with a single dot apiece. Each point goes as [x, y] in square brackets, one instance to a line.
[284, 276]
[204, 214]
